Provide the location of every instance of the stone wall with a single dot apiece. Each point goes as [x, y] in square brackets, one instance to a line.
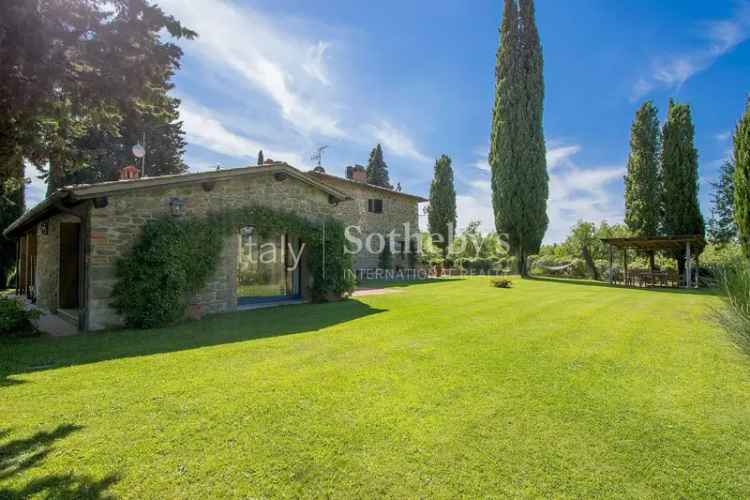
[48, 262]
[116, 227]
[398, 209]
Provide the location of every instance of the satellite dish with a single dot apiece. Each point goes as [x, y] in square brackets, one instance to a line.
[139, 151]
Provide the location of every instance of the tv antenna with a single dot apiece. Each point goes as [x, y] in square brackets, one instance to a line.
[317, 156]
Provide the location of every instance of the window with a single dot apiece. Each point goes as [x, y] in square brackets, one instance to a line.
[375, 206]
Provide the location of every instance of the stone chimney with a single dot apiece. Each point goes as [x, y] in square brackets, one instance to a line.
[129, 172]
[356, 173]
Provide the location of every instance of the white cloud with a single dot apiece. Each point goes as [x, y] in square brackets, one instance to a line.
[396, 141]
[266, 58]
[558, 156]
[36, 190]
[674, 70]
[575, 192]
[723, 136]
[314, 64]
[203, 128]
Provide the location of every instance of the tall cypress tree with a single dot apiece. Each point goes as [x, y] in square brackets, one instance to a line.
[377, 169]
[742, 179]
[721, 227]
[642, 191]
[260, 158]
[517, 151]
[679, 164]
[442, 212]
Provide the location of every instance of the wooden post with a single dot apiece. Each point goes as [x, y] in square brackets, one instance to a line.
[697, 271]
[610, 264]
[688, 274]
[625, 266]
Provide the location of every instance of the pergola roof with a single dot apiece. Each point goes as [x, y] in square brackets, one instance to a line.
[658, 242]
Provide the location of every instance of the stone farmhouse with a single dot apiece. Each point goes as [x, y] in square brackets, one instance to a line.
[69, 243]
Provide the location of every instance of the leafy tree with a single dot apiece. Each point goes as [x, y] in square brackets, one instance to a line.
[742, 179]
[721, 227]
[517, 151]
[260, 157]
[377, 170]
[442, 211]
[679, 163]
[642, 186]
[73, 70]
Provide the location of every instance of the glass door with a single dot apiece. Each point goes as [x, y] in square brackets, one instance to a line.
[264, 274]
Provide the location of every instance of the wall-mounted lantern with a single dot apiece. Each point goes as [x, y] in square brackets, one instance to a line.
[177, 207]
[44, 227]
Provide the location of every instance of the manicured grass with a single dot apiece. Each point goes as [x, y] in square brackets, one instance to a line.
[444, 389]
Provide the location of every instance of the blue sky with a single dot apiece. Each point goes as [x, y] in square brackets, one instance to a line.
[418, 77]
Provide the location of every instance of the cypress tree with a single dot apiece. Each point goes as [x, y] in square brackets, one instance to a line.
[742, 179]
[377, 170]
[517, 151]
[12, 201]
[642, 207]
[679, 164]
[260, 158]
[441, 215]
[721, 226]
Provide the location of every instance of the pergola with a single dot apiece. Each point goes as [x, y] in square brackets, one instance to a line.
[691, 244]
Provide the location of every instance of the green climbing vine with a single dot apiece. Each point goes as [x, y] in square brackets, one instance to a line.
[174, 258]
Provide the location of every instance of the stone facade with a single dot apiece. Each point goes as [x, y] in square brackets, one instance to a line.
[398, 209]
[113, 216]
[115, 228]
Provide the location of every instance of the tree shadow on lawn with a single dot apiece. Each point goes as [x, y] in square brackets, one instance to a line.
[19, 455]
[681, 291]
[29, 355]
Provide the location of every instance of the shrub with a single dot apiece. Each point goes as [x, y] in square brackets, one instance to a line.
[501, 282]
[14, 319]
[734, 281]
[174, 258]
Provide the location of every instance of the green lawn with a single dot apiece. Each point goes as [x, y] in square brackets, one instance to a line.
[445, 389]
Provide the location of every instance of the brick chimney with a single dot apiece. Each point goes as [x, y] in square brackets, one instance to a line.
[356, 173]
[129, 172]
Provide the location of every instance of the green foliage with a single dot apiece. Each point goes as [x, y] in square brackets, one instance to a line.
[174, 258]
[719, 255]
[442, 210]
[385, 259]
[679, 159]
[517, 151]
[642, 210]
[261, 160]
[501, 282]
[82, 81]
[734, 281]
[11, 207]
[377, 169]
[742, 179]
[14, 319]
[722, 229]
